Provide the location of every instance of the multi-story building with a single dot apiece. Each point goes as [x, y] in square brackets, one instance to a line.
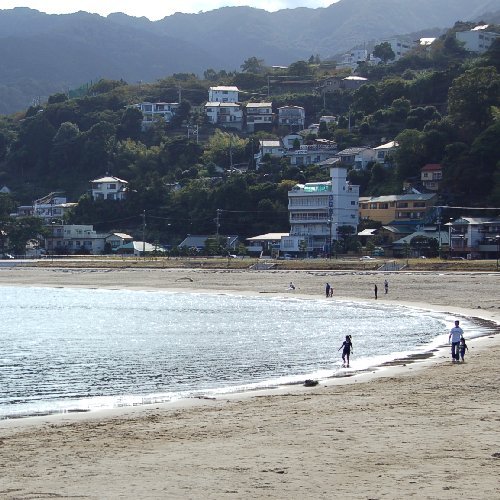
[357, 157]
[410, 208]
[74, 238]
[431, 175]
[293, 117]
[108, 188]
[259, 116]
[152, 111]
[383, 152]
[352, 59]
[317, 210]
[225, 114]
[400, 47]
[477, 39]
[223, 94]
[50, 207]
[310, 154]
[475, 237]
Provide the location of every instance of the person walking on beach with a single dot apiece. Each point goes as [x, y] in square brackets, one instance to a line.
[375, 290]
[463, 348]
[327, 290]
[456, 333]
[346, 350]
[386, 286]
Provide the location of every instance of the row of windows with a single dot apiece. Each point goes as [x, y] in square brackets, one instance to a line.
[386, 206]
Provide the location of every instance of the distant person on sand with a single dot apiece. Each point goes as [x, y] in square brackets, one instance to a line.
[327, 290]
[456, 333]
[386, 286]
[463, 348]
[331, 291]
[291, 286]
[347, 348]
[375, 291]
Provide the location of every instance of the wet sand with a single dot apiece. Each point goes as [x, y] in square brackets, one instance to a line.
[428, 429]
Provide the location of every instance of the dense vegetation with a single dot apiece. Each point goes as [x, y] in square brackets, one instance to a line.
[441, 105]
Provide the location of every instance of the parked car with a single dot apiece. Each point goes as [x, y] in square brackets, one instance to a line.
[7, 256]
[367, 257]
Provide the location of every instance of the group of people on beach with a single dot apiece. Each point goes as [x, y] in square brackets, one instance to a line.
[386, 289]
[458, 345]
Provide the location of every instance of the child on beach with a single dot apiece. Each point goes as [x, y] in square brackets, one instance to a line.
[463, 348]
[347, 347]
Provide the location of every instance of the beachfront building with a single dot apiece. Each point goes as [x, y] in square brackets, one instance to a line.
[108, 188]
[406, 208]
[74, 238]
[317, 210]
[265, 244]
[474, 237]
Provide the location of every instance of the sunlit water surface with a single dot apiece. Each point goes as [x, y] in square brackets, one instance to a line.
[79, 349]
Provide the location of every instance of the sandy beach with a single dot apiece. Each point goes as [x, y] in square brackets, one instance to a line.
[428, 429]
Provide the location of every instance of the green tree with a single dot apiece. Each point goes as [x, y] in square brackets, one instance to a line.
[253, 65]
[384, 52]
[472, 96]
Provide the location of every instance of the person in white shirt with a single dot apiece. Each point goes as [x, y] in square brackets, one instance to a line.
[456, 333]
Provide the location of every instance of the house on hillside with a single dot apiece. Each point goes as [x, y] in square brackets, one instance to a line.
[223, 94]
[108, 188]
[358, 157]
[383, 151]
[431, 176]
[310, 154]
[293, 117]
[259, 116]
[51, 207]
[153, 111]
[225, 114]
[477, 39]
[291, 140]
[352, 59]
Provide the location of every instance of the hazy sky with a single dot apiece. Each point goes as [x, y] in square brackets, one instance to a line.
[153, 9]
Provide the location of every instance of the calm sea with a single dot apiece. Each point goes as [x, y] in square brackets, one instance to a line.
[81, 349]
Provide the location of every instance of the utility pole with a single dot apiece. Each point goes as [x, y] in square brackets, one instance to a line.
[217, 224]
[179, 89]
[144, 233]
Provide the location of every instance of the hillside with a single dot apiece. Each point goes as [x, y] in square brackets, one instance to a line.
[41, 54]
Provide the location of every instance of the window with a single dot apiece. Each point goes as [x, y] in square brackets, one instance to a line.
[383, 206]
[419, 204]
[111, 186]
[402, 204]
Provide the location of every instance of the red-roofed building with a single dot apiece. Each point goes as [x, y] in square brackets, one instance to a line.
[431, 175]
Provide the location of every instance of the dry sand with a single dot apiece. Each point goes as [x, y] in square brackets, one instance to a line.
[424, 430]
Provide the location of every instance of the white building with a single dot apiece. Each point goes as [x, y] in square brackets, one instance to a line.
[474, 237]
[400, 47]
[108, 188]
[292, 116]
[74, 238]
[310, 154]
[352, 59]
[223, 94]
[477, 39]
[317, 210]
[153, 111]
[225, 114]
[291, 140]
[271, 147]
[50, 207]
[259, 116]
[382, 151]
[357, 157]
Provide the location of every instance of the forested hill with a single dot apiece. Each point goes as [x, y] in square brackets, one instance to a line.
[441, 104]
[42, 54]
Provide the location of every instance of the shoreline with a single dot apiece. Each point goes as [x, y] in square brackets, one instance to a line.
[390, 434]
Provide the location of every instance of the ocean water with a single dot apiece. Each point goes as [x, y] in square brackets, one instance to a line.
[83, 349]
